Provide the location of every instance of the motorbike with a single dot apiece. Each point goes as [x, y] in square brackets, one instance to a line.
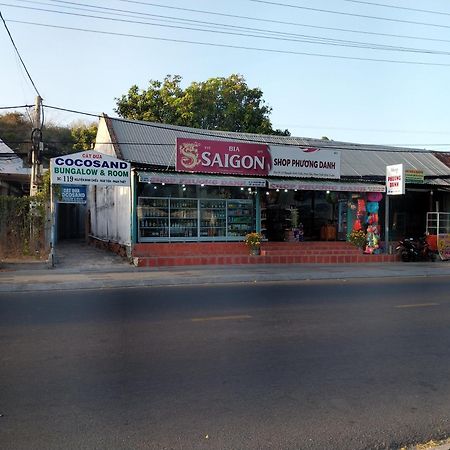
[414, 250]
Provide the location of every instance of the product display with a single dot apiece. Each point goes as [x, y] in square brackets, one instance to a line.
[240, 217]
[213, 218]
[373, 231]
[178, 219]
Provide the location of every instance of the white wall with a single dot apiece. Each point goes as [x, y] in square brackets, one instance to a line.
[103, 142]
[109, 206]
[110, 210]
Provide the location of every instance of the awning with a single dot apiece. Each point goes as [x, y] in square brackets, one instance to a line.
[325, 186]
[208, 180]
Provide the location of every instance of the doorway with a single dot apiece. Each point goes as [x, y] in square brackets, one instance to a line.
[71, 221]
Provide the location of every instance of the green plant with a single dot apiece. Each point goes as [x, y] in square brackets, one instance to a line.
[23, 221]
[357, 238]
[253, 240]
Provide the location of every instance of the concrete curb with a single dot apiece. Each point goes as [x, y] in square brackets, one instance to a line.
[438, 447]
[129, 276]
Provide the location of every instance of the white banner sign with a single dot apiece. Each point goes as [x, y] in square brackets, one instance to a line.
[289, 161]
[89, 168]
[325, 186]
[153, 177]
[395, 180]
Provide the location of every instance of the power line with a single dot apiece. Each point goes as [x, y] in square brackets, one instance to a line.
[279, 22]
[302, 38]
[199, 132]
[259, 139]
[404, 8]
[16, 107]
[299, 38]
[363, 16]
[18, 54]
[72, 111]
[238, 47]
[372, 130]
[159, 144]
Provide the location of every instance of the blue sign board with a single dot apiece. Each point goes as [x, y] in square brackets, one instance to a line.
[73, 194]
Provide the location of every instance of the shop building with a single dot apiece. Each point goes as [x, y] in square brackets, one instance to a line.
[194, 191]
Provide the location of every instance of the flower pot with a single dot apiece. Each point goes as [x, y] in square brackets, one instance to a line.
[255, 251]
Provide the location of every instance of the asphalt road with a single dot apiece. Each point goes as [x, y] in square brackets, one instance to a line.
[309, 365]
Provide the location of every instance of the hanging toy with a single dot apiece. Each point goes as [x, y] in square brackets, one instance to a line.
[372, 207]
[374, 196]
[361, 207]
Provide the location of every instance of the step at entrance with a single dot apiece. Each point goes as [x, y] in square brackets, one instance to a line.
[236, 253]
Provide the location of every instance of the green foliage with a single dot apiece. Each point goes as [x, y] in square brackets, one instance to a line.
[57, 139]
[84, 136]
[22, 221]
[227, 104]
[15, 131]
[358, 238]
[253, 240]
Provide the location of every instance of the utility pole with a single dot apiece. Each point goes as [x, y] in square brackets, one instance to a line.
[37, 145]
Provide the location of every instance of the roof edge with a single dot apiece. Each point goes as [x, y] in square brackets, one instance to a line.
[112, 135]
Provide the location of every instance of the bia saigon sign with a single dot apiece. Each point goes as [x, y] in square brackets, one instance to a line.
[195, 155]
[89, 168]
[222, 157]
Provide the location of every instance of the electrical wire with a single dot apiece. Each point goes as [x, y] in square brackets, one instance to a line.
[404, 8]
[18, 54]
[216, 25]
[342, 13]
[15, 107]
[235, 16]
[346, 30]
[298, 38]
[236, 47]
[208, 133]
[306, 143]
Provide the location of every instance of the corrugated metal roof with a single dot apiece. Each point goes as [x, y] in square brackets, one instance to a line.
[154, 144]
[11, 165]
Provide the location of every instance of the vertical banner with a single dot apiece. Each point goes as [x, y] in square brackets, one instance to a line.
[395, 180]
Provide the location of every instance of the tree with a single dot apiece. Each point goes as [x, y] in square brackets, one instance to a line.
[15, 131]
[226, 104]
[84, 136]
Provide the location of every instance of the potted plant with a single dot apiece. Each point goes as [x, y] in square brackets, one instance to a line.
[253, 242]
[358, 238]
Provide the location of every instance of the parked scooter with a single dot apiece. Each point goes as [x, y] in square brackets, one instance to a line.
[415, 250]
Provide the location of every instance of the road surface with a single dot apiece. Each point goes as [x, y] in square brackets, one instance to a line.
[358, 364]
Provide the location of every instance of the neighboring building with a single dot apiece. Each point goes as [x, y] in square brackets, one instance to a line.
[209, 201]
[14, 178]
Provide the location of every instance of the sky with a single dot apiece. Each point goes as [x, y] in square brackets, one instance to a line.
[355, 71]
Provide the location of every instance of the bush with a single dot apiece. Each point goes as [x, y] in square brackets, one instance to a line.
[358, 238]
[253, 240]
[22, 221]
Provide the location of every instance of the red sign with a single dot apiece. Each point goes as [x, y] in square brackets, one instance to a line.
[202, 156]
